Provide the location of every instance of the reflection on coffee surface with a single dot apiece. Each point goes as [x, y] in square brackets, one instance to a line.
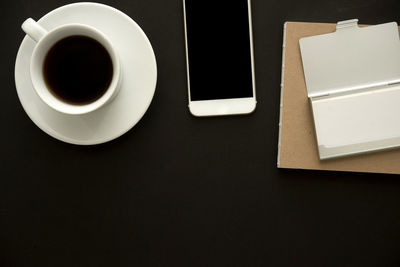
[78, 70]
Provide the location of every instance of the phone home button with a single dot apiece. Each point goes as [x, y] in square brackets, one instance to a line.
[223, 109]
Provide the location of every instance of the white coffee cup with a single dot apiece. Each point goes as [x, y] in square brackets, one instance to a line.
[45, 41]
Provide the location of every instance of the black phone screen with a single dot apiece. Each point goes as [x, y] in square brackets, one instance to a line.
[219, 49]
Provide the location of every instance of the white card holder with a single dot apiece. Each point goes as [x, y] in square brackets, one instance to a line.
[353, 83]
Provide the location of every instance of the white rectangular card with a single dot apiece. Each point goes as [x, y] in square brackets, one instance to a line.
[353, 83]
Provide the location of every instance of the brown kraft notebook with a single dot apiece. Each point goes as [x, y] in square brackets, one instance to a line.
[297, 148]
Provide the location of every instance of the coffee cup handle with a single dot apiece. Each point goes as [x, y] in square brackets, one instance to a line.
[33, 29]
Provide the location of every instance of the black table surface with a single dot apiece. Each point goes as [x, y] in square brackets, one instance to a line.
[182, 191]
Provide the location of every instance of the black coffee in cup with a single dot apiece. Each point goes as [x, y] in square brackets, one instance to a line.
[78, 70]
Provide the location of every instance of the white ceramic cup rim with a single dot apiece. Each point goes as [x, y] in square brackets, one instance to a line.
[36, 68]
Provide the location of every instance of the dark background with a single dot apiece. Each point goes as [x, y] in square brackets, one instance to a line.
[182, 191]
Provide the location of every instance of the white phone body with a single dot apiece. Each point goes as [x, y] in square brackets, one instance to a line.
[226, 106]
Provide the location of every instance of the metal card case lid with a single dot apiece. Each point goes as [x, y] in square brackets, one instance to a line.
[351, 58]
[352, 78]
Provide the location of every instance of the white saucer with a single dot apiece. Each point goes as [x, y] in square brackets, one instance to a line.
[139, 78]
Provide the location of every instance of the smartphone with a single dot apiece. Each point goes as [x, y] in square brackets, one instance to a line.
[219, 57]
